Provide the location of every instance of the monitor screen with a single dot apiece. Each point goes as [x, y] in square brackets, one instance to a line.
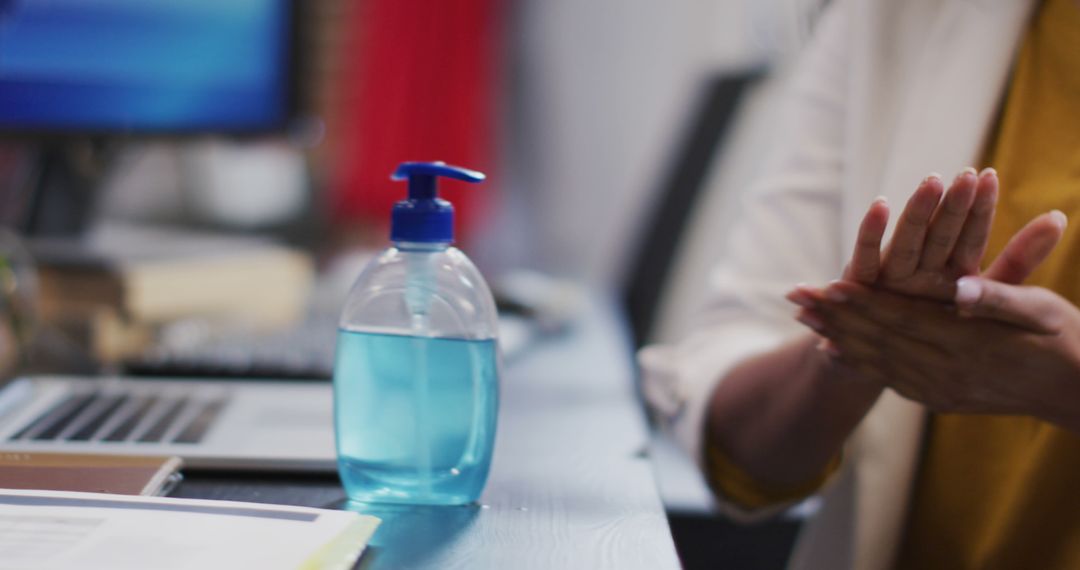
[144, 65]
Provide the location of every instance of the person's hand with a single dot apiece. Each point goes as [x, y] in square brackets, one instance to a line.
[1003, 349]
[940, 239]
[936, 240]
[928, 226]
[932, 229]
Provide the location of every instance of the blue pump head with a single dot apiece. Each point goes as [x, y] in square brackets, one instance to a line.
[424, 217]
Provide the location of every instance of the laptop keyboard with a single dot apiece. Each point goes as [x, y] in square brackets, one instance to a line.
[118, 415]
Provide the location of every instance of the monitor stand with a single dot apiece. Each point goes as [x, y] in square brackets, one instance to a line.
[63, 188]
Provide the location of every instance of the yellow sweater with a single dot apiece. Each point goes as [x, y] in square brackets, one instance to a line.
[996, 491]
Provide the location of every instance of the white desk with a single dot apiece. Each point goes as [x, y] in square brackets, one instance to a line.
[570, 487]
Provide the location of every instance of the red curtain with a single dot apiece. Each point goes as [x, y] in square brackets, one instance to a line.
[420, 84]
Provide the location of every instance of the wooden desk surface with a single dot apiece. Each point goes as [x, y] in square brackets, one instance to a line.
[570, 485]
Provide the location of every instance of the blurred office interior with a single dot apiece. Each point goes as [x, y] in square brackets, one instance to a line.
[618, 135]
[587, 103]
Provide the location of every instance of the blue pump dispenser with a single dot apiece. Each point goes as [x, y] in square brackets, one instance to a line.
[424, 217]
[416, 370]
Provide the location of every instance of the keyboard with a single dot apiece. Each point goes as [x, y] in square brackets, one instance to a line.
[125, 414]
[192, 349]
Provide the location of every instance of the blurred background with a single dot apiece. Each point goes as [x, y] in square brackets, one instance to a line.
[136, 138]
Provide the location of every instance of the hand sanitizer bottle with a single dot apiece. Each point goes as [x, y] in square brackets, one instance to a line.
[417, 365]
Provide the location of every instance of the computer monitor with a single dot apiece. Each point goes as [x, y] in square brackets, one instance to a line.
[146, 66]
[78, 75]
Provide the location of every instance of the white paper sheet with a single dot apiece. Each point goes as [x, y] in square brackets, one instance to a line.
[53, 530]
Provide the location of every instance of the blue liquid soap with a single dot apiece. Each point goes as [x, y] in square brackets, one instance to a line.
[415, 417]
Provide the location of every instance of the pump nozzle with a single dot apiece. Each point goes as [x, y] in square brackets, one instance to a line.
[424, 217]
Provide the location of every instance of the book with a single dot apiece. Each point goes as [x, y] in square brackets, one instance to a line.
[153, 275]
[115, 474]
[47, 529]
[112, 291]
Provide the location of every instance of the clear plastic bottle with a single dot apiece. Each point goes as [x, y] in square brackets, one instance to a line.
[417, 368]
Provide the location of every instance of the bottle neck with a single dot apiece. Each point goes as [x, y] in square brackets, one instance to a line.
[422, 245]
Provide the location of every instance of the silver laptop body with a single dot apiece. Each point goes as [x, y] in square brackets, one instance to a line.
[247, 424]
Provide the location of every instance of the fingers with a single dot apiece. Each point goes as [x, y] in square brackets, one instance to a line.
[873, 350]
[948, 221]
[866, 259]
[1028, 248]
[902, 254]
[914, 318]
[805, 296]
[864, 311]
[971, 244]
[1033, 308]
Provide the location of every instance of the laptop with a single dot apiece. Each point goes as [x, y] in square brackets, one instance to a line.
[201, 409]
[251, 424]
[212, 422]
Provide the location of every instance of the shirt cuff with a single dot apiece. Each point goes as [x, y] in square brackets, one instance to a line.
[738, 487]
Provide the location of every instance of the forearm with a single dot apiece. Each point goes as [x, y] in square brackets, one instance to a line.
[783, 415]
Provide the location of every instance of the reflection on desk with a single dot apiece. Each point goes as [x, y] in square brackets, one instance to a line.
[570, 485]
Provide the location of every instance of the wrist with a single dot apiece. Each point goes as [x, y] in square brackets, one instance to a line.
[784, 415]
[848, 392]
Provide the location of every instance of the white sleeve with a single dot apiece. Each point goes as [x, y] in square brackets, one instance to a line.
[789, 232]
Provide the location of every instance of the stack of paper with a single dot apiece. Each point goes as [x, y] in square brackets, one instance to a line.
[46, 529]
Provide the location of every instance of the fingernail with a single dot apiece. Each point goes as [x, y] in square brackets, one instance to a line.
[968, 170]
[801, 299]
[968, 291]
[881, 199]
[811, 321]
[989, 170]
[835, 295]
[931, 176]
[1059, 218]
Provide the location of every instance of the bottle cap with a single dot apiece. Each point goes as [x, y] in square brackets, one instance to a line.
[424, 217]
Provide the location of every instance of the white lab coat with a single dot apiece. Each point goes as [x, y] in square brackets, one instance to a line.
[889, 91]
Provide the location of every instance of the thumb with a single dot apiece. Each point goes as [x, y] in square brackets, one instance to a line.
[1034, 308]
[1028, 248]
